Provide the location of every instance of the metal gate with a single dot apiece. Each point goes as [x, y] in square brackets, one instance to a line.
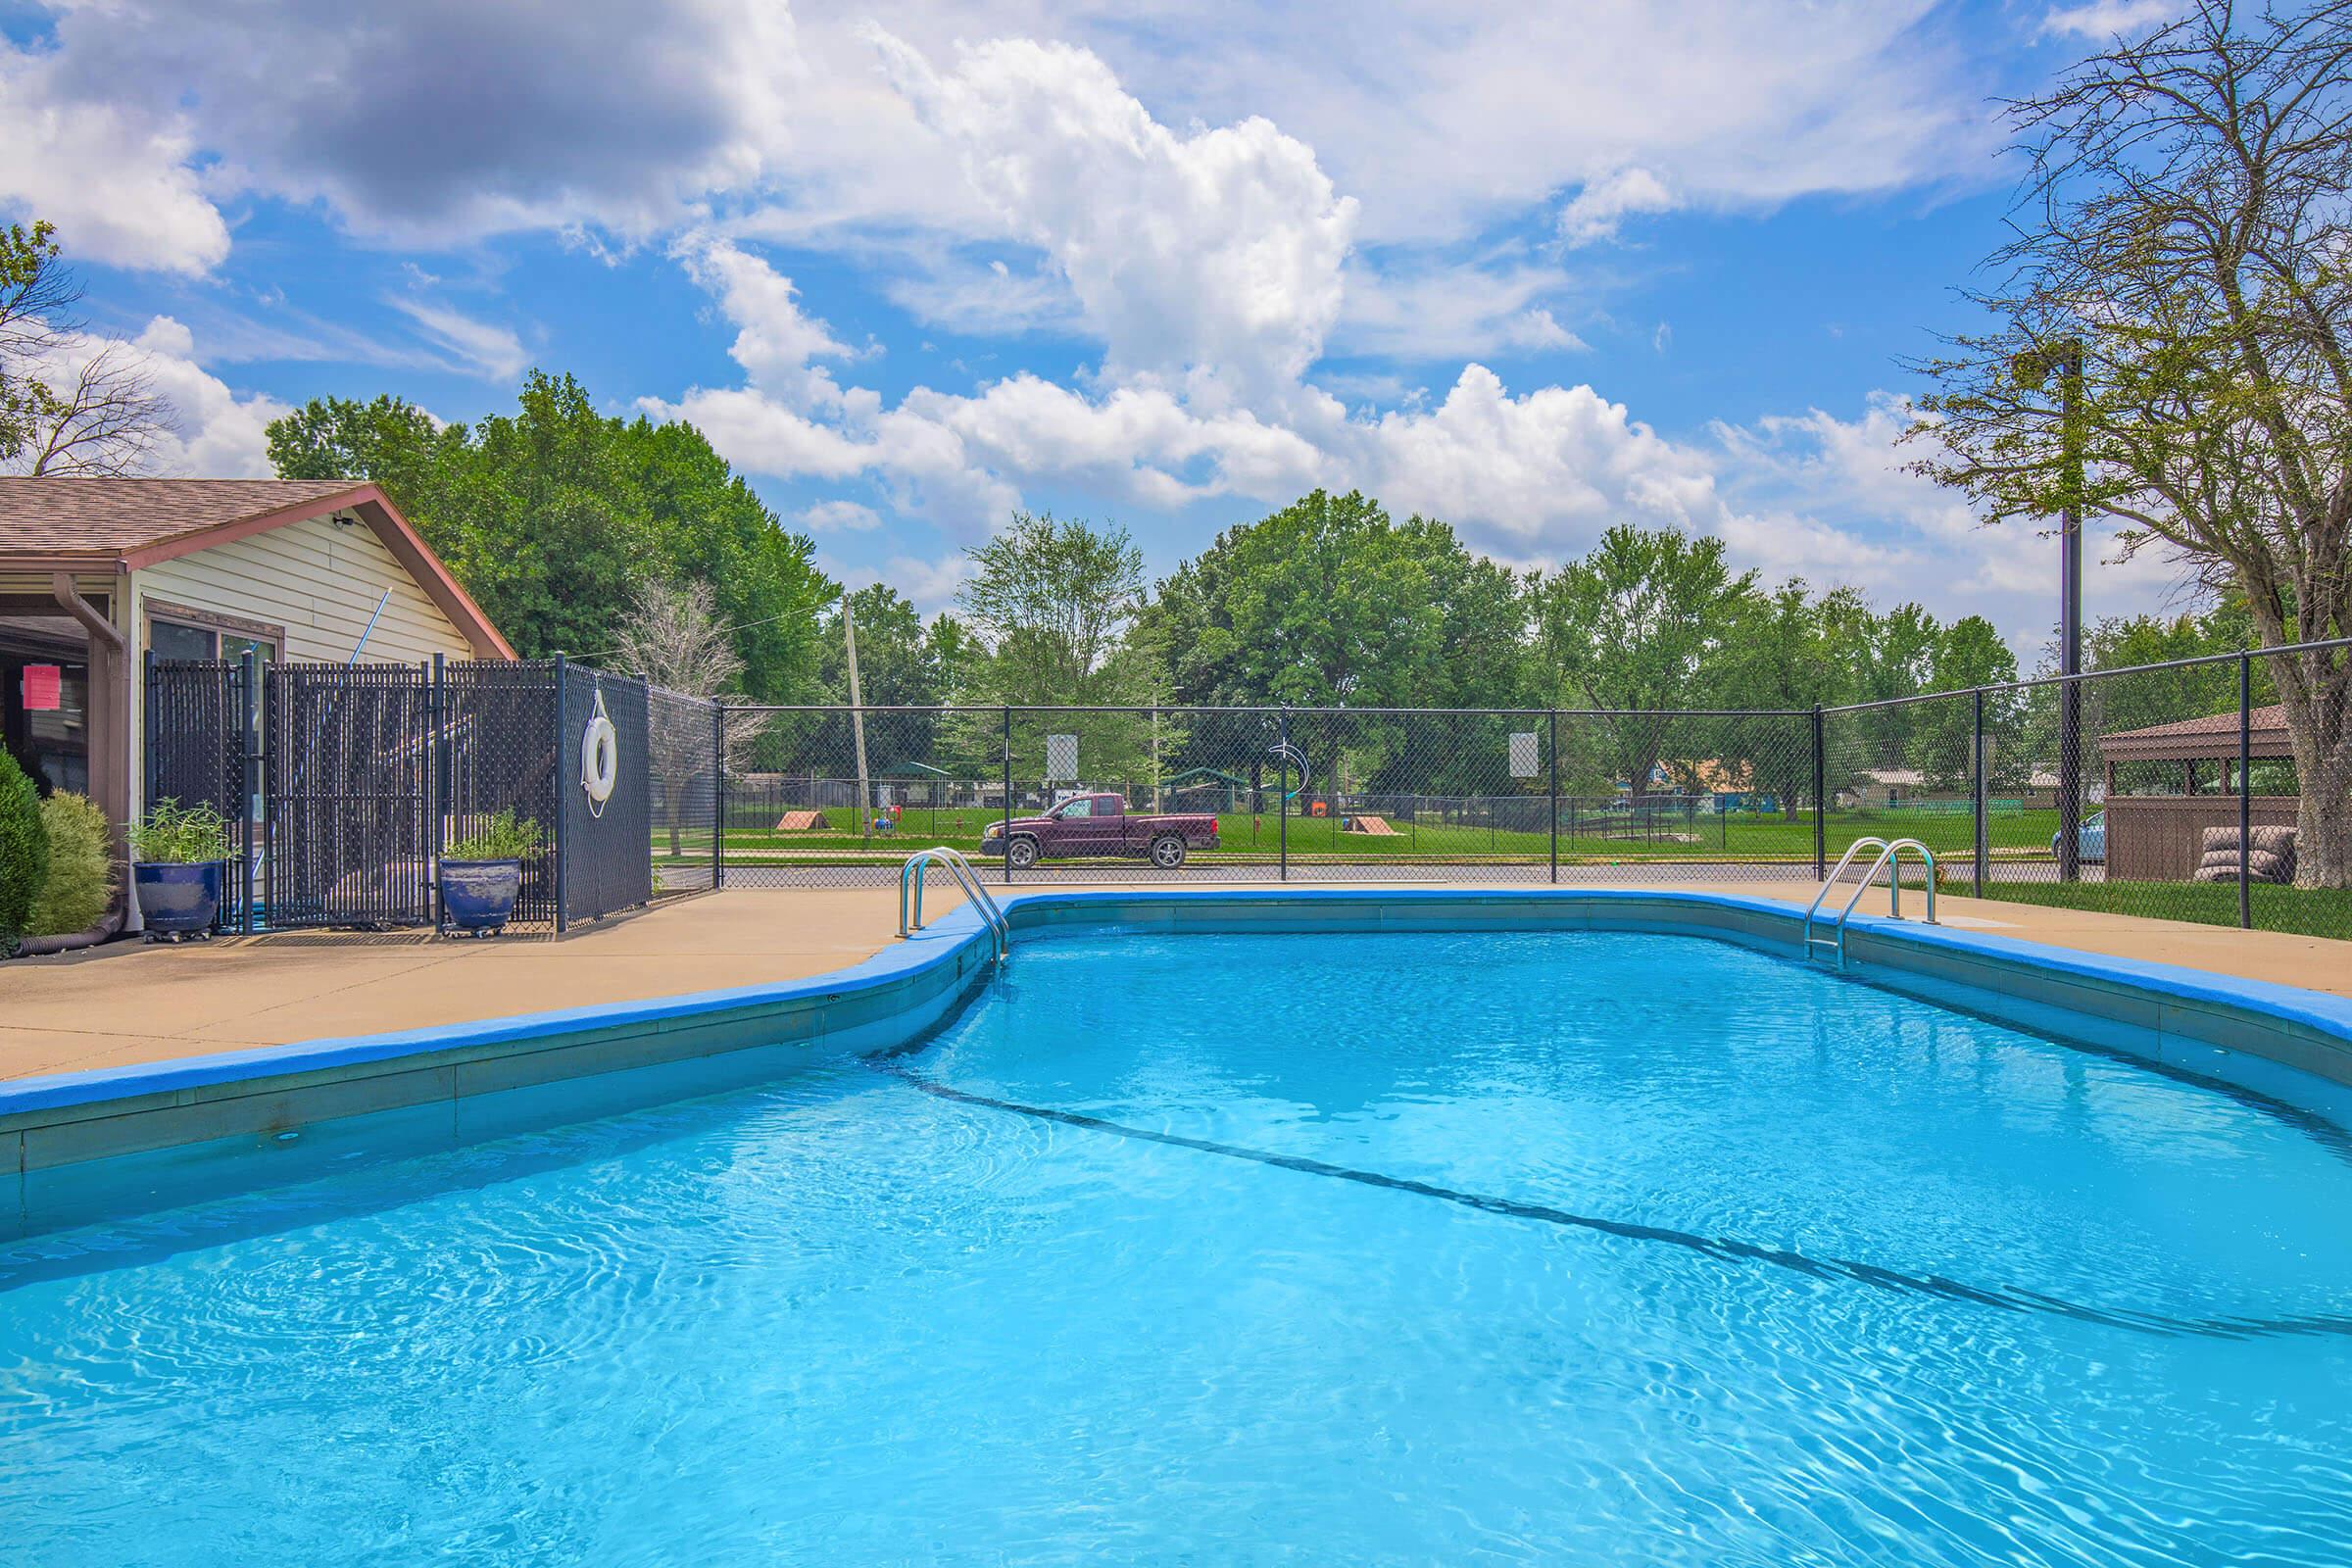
[201, 729]
[344, 808]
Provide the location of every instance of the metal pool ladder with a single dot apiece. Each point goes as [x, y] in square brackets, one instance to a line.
[1888, 853]
[911, 877]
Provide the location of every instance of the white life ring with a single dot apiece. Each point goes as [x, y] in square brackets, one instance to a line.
[600, 758]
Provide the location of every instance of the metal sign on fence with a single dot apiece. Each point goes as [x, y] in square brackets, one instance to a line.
[1061, 760]
[1525, 761]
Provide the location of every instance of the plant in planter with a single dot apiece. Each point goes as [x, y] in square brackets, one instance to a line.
[481, 873]
[178, 854]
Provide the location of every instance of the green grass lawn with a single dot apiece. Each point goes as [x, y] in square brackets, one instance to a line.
[2305, 911]
[1243, 835]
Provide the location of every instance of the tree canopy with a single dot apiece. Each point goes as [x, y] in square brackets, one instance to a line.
[554, 517]
[1329, 602]
[2172, 343]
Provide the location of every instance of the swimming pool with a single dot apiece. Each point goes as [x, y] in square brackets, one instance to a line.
[1405, 1247]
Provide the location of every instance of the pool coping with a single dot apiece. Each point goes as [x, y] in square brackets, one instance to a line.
[2290, 1044]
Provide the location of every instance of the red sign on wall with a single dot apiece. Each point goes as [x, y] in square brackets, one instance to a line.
[43, 688]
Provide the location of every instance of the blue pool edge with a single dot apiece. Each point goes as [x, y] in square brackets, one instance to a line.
[2291, 1045]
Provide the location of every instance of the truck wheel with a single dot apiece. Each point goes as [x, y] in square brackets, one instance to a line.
[1167, 853]
[1022, 853]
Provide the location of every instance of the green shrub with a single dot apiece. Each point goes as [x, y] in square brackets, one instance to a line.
[177, 835]
[82, 880]
[23, 851]
[505, 837]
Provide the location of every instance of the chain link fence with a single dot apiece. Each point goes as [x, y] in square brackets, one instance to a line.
[2168, 791]
[2185, 791]
[840, 797]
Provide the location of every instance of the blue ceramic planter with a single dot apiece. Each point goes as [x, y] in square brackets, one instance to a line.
[179, 899]
[479, 895]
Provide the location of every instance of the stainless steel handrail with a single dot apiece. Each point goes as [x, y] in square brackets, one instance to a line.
[1891, 853]
[966, 877]
[1831, 881]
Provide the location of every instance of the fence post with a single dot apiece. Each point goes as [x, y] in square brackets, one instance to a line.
[718, 795]
[1980, 807]
[148, 769]
[1282, 800]
[1555, 795]
[2245, 789]
[249, 774]
[1821, 805]
[556, 788]
[439, 752]
[1006, 838]
[2070, 781]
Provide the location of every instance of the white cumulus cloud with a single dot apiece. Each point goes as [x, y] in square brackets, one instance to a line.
[1602, 206]
[1215, 254]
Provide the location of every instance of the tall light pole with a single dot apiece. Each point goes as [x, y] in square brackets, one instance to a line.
[2032, 369]
[2070, 613]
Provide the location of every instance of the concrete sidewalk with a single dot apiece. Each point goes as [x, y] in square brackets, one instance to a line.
[127, 1004]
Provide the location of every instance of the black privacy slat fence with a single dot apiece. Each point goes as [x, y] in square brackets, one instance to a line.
[2216, 790]
[344, 783]
[202, 729]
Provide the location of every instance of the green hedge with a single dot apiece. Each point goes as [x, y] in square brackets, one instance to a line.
[23, 851]
[80, 882]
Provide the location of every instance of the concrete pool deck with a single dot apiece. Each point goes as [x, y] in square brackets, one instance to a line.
[140, 1005]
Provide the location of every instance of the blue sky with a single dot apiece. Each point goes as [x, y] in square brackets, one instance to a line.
[1169, 262]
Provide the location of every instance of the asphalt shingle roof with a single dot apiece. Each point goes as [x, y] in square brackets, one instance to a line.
[105, 517]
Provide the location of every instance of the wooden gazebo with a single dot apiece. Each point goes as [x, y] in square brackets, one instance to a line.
[2158, 838]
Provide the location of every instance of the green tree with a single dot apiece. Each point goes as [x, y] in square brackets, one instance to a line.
[1632, 628]
[1050, 600]
[23, 852]
[899, 658]
[1966, 655]
[33, 289]
[1047, 605]
[2173, 346]
[556, 517]
[1328, 603]
[1331, 602]
[1781, 649]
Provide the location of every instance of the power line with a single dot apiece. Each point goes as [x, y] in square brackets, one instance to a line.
[732, 625]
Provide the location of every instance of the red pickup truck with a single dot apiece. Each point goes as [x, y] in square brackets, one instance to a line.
[1099, 825]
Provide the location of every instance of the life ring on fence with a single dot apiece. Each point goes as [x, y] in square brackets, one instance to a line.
[600, 758]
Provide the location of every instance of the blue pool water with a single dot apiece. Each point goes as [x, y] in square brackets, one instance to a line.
[1569, 1247]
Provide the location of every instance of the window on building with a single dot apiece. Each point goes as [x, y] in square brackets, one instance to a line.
[172, 640]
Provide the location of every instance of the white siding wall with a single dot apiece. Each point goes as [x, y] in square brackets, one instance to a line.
[319, 580]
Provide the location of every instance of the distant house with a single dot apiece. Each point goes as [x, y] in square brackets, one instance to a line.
[96, 575]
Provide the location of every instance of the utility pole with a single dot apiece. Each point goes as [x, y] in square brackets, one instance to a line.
[849, 632]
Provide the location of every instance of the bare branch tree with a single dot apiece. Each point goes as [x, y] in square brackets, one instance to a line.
[673, 637]
[103, 418]
[77, 403]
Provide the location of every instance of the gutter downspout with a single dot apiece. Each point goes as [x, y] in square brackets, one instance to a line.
[109, 716]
